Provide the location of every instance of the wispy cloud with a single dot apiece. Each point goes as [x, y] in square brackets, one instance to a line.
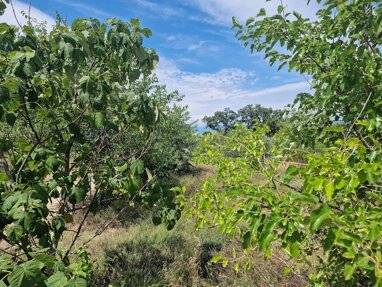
[189, 44]
[86, 9]
[160, 10]
[206, 93]
[35, 13]
[196, 46]
[222, 11]
[188, 61]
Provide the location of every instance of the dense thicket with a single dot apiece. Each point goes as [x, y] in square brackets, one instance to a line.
[326, 210]
[66, 105]
[172, 141]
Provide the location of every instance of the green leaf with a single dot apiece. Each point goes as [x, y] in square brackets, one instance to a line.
[46, 259]
[78, 282]
[99, 120]
[14, 232]
[27, 275]
[5, 145]
[11, 118]
[267, 235]
[137, 167]
[58, 279]
[290, 173]
[77, 195]
[217, 258]
[4, 95]
[348, 271]
[261, 13]
[6, 263]
[246, 242]
[294, 249]
[329, 190]
[2, 8]
[147, 32]
[249, 21]
[329, 240]
[157, 220]
[68, 50]
[52, 163]
[318, 216]
[374, 231]
[235, 22]
[123, 167]
[304, 197]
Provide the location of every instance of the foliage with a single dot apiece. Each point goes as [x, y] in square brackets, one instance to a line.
[328, 207]
[339, 52]
[64, 105]
[173, 139]
[221, 120]
[332, 203]
[249, 115]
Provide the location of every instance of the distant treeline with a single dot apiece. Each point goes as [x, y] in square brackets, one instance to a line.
[250, 115]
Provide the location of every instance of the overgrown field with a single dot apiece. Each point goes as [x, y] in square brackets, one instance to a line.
[134, 252]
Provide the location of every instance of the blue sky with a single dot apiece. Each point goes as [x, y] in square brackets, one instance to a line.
[199, 55]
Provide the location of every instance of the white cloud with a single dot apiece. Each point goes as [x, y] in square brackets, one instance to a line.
[206, 93]
[222, 10]
[196, 46]
[159, 9]
[39, 15]
[190, 44]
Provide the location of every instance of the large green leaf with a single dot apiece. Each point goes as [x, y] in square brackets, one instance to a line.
[58, 279]
[27, 275]
[318, 216]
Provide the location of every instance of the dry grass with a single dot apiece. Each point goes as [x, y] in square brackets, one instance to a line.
[134, 252]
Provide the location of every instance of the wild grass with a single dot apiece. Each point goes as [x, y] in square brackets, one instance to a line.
[133, 252]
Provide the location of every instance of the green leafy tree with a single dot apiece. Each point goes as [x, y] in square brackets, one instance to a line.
[221, 120]
[173, 139]
[253, 115]
[65, 104]
[249, 115]
[325, 211]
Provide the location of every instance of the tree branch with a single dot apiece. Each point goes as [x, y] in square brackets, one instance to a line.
[30, 121]
[14, 13]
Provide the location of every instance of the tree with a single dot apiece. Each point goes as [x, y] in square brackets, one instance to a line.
[221, 121]
[65, 104]
[253, 115]
[172, 141]
[249, 115]
[326, 210]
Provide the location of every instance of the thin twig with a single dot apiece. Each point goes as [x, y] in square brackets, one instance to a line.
[29, 13]
[103, 227]
[77, 233]
[359, 115]
[14, 13]
[30, 121]
[25, 161]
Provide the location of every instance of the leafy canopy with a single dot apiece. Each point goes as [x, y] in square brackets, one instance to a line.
[325, 210]
[65, 104]
[249, 115]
